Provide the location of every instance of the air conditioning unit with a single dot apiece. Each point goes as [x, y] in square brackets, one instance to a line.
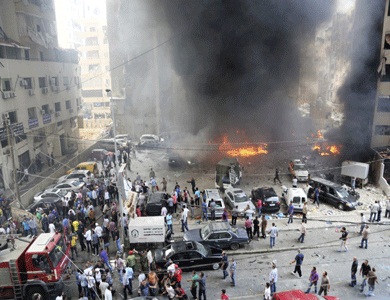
[57, 114]
[31, 92]
[45, 90]
[6, 95]
[23, 83]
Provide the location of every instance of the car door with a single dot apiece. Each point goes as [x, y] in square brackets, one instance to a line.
[195, 258]
[224, 239]
[297, 202]
[230, 199]
[333, 197]
[213, 239]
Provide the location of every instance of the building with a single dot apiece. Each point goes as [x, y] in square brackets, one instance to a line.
[39, 86]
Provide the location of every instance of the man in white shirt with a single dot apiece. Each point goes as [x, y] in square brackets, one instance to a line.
[108, 293]
[98, 230]
[164, 211]
[184, 214]
[273, 277]
[52, 228]
[149, 256]
[88, 239]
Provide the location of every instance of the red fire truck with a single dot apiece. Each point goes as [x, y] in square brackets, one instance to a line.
[33, 266]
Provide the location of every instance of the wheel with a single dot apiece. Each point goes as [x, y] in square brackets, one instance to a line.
[36, 290]
[216, 266]
[234, 246]
[340, 206]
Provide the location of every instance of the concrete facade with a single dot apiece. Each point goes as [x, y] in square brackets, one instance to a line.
[40, 87]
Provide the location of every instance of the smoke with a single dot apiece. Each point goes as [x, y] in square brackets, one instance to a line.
[359, 89]
[239, 61]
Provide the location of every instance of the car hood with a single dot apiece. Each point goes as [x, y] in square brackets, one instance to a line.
[243, 205]
[193, 235]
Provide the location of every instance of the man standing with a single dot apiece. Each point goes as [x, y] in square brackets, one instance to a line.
[164, 185]
[354, 268]
[168, 219]
[363, 222]
[353, 183]
[371, 279]
[248, 227]
[197, 197]
[277, 176]
[325, 284]
[212, 206]
[387, 213]
[193, 184]
[202, 286]
[152, 174]
[273, 233]
[313, 278]
[184, 216]
[298, 263]
[273, 278]
[379, 211]
[194, 284]
[259, 207]
[232, 269]
[373, 211]
[205, 216]
[256, 227]
[224, 264]
[364, 269]
[290, 213]
[234, 215]
[304, 212]
[263, 227]
[366, 231]
[343, 238]
[302, 231]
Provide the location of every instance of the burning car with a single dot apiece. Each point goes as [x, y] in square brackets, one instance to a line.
[298, 169]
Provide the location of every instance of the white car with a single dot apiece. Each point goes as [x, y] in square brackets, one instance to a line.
[298, 168]
[150, 141]
[237, 197]
[70, 184]
[51, 193]
[85, 175]
[295, 195]
[219, 207]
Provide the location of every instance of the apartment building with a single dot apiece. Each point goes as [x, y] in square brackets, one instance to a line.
[40, 90]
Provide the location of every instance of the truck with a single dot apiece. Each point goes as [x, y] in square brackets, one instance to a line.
[355, 169]
[228, 173]
[33, 266]
[147, 230]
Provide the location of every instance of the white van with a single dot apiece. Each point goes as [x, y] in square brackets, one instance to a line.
[220, 206]
[295, 195]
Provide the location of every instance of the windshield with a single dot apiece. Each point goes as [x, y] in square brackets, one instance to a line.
[342, 193]
[62, 193]
[299, 167]
[241, 198]
[57, 253]
[268, 193]
[202, 249]
[205, 231]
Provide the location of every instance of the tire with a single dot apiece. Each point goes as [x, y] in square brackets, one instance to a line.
[36, 290]
[215, 266]
[234, 246]
[340, 206]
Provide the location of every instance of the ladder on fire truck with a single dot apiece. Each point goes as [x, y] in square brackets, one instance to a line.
[15, 280]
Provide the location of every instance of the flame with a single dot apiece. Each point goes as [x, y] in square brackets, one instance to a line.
[230, 150]
[326, 150]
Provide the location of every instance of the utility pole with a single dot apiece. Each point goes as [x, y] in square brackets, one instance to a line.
[10, 141]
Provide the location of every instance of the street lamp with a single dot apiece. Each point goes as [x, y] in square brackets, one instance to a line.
[116, 168]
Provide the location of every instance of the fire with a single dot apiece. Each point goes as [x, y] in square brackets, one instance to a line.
[248, 151]
[326, 150]
[317, 135]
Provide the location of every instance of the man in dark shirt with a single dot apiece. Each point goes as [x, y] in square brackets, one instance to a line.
[365, 268]
[354, 268]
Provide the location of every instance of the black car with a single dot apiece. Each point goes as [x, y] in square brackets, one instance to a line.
[218, 234]
[189, 255]
[47, 204]
[155, 202]
[332, 193]
[271, 201]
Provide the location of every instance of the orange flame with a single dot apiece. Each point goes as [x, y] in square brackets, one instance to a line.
[230, 150]
[326, 150]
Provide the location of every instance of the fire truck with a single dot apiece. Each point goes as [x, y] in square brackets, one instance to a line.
[30, 266]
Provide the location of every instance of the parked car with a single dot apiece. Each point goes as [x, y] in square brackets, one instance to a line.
[47, 204]
[84, 175]
[51, 193]
[271, 202]
[150, 141]
[189, 255]
[218, 234]
[109, 144]
[100, 154]
[295, 195]
[155, 202]
[297, 168]
[70, 185]
[220, 205]
[332, 193]
[298, 294]
[237, 197]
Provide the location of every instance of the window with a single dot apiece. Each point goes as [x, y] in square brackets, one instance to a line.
[45, 109]
[93, 54]
[66, 80]
[54, 81]
[57, 106]
[28, 83]
[92, 93]
[12, 117]
[27, 54]
[32, 113]
[68, 105]
[224, 235]
[93, 68]
[6, 84]
[382, 130]
[383, 104]
[41, 57]
[213, 236]
[91, 41]
[42, 82]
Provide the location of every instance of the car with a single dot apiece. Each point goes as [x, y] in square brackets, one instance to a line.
[332, 193]
[189, 255]
[298, 169]
[100, 154]
[271, 202]
[155, 202]
[109, 144]
[70, 184]
[47, 204]
[218, 234]
[151, 298]
[298, 294]
[51, 193]
[219, 204]
[150, 141]
[237, 197]
[295, 195]
[91, 166]
[84, 175]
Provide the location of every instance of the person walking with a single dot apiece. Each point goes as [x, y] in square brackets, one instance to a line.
[267, 291]
[298, 260]
[256, 227]
[212, 206]
[371, 280]
[290, 213]
[364, 269]
[224, 264]
[313, 279]
[248, 227]
[224, 296]
[273, 233]
[343, 238]
[263, 226]
[202, 286]
[168, 220]
[194, 284]
[302, 231]
[232, 269]
[273, 278]
[325, 284]
[373, 211]
[277, 176]
[183, 218]
[354, 268]
[205, 216]
[234, 215]
[304, 212]
[353, 183]
[259, 207]
[362, 222]
[378, 219]
[387, 213]
[365, 234]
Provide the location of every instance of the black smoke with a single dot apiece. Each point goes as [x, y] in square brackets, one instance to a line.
[240, 60]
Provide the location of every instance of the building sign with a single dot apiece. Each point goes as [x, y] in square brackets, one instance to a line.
[16, 129]
[46, 118]
[32, 123]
